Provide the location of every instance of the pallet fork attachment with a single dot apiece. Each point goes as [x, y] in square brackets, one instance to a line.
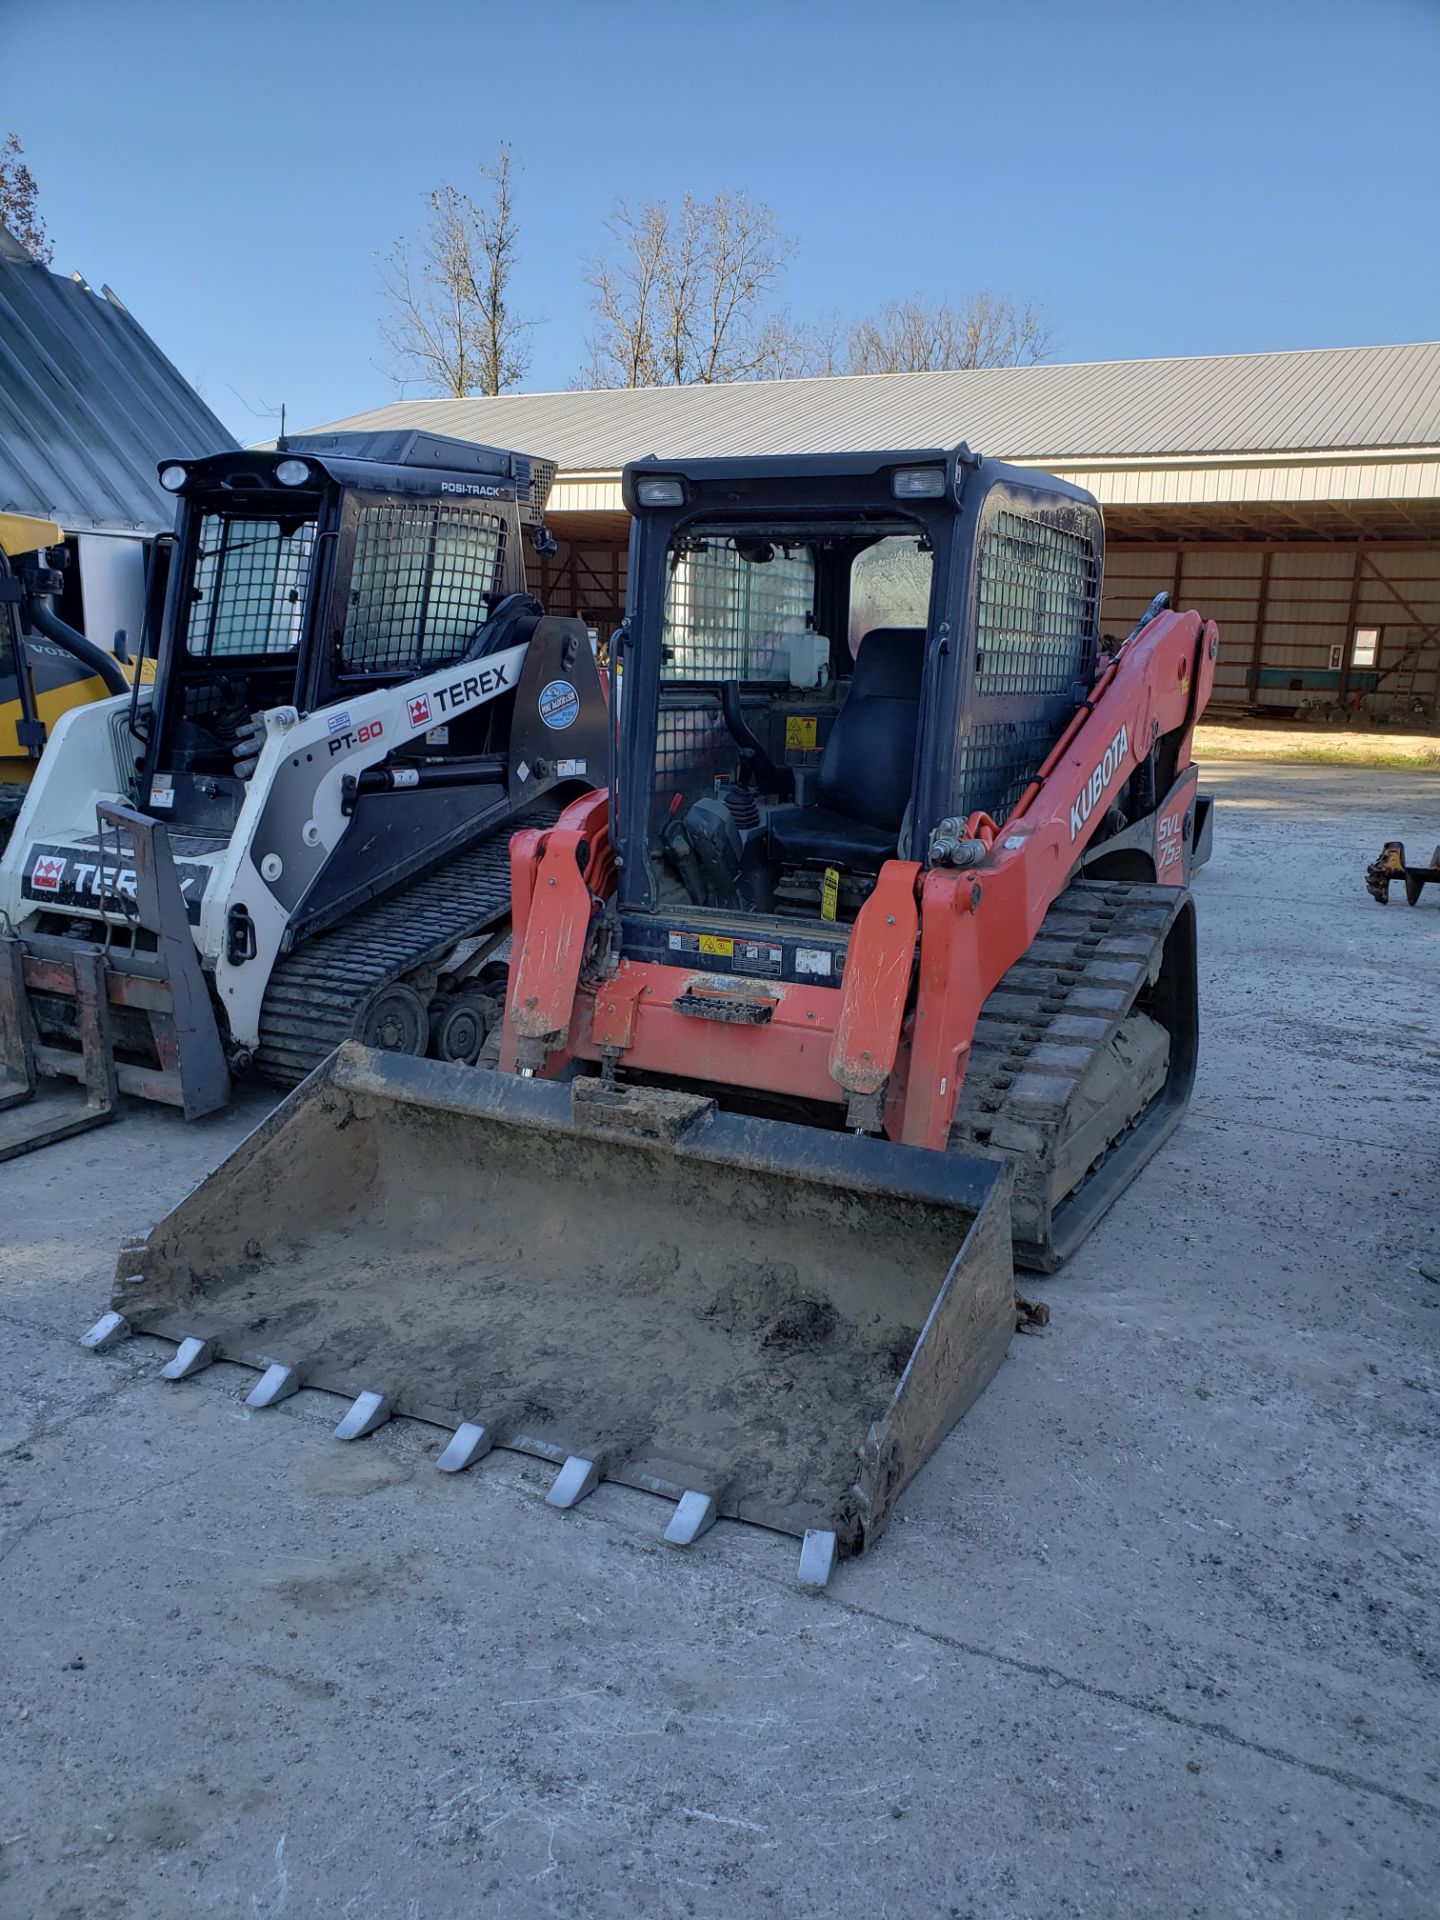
[163, 982]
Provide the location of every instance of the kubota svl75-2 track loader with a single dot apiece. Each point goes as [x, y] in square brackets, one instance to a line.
[298, 834]
[876, 961]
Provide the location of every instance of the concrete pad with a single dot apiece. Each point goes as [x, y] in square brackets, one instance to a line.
[1153, 1634]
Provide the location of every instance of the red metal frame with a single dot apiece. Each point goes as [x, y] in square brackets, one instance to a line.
[832, 1044]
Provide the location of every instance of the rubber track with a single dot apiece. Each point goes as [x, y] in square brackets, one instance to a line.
[316, 993]
[1044, 1027]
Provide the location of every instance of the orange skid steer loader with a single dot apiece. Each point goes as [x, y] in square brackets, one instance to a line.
[871, 975]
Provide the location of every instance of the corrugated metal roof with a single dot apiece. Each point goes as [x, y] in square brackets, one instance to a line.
[88, 405]
[1243, 403]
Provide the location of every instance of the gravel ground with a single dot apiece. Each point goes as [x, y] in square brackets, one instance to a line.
[1154, 1633]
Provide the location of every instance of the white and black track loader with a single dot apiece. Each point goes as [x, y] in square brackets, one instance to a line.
[300, 833]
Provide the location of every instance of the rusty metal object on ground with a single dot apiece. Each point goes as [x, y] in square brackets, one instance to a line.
[1391, 864]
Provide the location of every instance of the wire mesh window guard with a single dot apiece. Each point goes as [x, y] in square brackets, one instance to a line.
[729, 618]
[418, 586]
[1036, 638]
[1038, 607]
[250, 580]
[997, 761]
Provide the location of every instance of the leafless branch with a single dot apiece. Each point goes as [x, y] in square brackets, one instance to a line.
[681, 296]
[918, 336]
[19, 202]
[450, 325]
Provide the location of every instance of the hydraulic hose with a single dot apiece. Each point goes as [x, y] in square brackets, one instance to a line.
[44, 620]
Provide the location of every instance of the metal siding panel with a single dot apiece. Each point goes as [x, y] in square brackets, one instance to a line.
[1236, 403]
[88, 406]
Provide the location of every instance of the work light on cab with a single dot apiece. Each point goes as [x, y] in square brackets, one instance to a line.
[173, 478]
[660, 493]
[918, 483]
[292, 473]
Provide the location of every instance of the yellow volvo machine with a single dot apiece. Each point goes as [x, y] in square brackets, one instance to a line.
[46, 667]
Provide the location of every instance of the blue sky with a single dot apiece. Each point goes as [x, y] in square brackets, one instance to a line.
[1164, 177]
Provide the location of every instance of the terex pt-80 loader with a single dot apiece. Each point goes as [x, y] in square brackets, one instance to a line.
[872, 973]
[299, 834]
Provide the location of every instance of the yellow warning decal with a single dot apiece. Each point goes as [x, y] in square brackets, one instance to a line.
[800, 733]
[716, 944]
[830, 893]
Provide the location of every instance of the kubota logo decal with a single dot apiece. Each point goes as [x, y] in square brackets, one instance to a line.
[1082, 808]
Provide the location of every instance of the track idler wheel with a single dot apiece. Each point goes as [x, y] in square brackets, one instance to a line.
[396, 1020]
[460, 1024]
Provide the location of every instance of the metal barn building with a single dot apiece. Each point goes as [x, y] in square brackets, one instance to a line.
[88, 408]
[1295, 497]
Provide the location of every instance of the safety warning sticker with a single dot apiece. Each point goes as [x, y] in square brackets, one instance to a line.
[741, 956]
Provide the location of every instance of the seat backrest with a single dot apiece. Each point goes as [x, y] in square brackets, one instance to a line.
[869, 758]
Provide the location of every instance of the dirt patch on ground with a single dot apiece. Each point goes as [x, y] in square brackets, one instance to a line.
[1318, 745]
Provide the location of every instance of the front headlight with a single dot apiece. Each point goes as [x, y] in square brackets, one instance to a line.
[173, 478]
[293, 473]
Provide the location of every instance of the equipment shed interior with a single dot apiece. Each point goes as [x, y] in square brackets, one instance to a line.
[1293, 497]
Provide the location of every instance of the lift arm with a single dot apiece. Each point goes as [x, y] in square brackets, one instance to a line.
[976, 923]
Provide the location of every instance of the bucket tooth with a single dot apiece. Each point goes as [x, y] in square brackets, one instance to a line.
[277, 1382]
[190, 1356]
[694, 1514]
[108, 1331]
[634, 1320]
[817, 1558]
[471, 1442]
[367, 1412]
[575, 1479]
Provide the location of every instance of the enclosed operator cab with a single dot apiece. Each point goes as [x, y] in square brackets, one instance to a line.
[311, 576]
[890, 647]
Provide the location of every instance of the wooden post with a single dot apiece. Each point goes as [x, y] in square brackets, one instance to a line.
[1349, 641]
[1262, 601]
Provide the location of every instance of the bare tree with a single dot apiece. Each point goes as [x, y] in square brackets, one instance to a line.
[916, 336]
[19, 196]
[504, 359]
[451, 325]
[682, 296]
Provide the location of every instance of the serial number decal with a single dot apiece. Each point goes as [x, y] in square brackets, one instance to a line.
[1101, 776]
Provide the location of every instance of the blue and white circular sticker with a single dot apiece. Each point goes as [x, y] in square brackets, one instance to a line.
[559, 704]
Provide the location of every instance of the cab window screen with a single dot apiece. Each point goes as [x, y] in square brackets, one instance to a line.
[1037, 607]
[250, 581]
[418, 586]
[729, 617]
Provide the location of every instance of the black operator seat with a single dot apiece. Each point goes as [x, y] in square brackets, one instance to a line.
[867, 766]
